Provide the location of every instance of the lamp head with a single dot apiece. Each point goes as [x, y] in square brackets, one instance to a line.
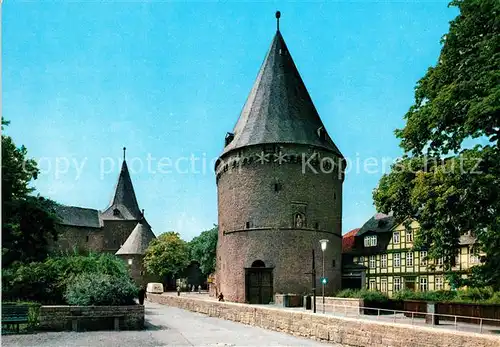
[323, 244]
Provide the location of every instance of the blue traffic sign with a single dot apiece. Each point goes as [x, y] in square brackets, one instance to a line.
[324, 280]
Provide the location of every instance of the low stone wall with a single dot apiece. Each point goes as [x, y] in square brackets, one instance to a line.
[347, 306]
[288, 300]
[61, 318]
[341, 330]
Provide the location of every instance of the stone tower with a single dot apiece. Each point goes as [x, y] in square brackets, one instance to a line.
[279, 184]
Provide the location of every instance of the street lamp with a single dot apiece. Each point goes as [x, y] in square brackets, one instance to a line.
[323, 243]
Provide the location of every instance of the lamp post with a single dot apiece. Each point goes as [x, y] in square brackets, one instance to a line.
[323, 243]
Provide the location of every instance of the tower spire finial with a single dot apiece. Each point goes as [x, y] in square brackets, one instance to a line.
[124, 149]
[278, 15]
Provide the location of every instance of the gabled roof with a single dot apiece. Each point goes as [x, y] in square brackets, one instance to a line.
[78, 216]
[348, 240]
[124, 204]
[279, 108]
[138, 240]
[379, 223]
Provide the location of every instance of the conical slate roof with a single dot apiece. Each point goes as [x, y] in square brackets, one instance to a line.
[138, 240]
[279, 108]
[124, 204]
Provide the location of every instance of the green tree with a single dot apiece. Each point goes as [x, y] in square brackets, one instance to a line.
[449, 188]
[28, 222]
[167, 255]
[203, 249]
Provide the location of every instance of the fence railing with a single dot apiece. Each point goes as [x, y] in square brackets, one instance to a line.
[409, 317]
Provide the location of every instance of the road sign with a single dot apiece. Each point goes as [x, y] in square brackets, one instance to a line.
[324, 280]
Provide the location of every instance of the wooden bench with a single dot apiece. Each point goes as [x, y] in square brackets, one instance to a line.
[75, 320]
[15, 315]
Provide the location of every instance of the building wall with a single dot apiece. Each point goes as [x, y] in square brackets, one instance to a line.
[257, 219]
[116, 233]
[83, 239]
[413, 272]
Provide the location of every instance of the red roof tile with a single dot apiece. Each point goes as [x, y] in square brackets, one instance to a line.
[348, 240]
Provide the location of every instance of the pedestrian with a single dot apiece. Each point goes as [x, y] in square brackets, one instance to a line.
[142, 295]
[221, 297]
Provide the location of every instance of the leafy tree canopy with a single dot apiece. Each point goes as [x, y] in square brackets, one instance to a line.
[167, 255]
[448, 188]
[203, 249]
[28, 222]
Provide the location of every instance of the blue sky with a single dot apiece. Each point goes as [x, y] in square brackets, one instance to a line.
[168, 79]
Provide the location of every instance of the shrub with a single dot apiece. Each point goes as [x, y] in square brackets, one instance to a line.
[367, 295]
[100, 289]
[474, 294]
[46, 282]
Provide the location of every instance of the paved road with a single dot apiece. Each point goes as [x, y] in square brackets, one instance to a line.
[166, 326]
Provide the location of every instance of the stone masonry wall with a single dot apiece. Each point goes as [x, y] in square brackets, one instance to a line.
[59, 318]
[340, 330]
[247, 194]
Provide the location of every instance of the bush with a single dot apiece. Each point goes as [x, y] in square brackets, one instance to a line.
[367, 295]
[100, 289]
[47, 282]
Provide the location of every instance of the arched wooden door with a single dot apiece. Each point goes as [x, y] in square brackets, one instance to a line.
[258, 283]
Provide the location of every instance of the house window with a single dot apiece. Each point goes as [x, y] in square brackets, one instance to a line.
[395, 237]
[383, 285]
[373, 262]
[423, 257]
[409, 236]
[409, 259]
[373, 284]
[371, 241]
[473, 256]
[440, 261]
[423, 284]
[397, 259]
[383, 261]
[397, 284]
[439, 282]
[361, 260]
[130, 261]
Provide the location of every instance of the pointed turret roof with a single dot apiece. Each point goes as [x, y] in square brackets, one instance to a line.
[138, 240]
[279, 108]
[124, 204]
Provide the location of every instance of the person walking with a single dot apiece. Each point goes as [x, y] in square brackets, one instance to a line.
[142, 295]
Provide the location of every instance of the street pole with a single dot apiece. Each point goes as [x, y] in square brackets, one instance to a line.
[323, 282]
[313, 272]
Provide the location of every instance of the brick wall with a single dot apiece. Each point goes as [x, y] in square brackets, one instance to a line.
[59, 318]
[247, 193]
[341, 330]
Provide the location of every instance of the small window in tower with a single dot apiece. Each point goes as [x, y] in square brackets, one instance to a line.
[114, 242]
[322, 133]
[142, 273]
[334, 196]
[277, 187]
[116, 212]
[333, 263]
[316, 225]
[247, 225]
[87, 238]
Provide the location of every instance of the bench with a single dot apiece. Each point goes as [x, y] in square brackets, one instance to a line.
[75, 320]
[15, 315]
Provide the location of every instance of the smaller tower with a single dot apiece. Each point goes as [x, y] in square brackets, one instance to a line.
[134, 248]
